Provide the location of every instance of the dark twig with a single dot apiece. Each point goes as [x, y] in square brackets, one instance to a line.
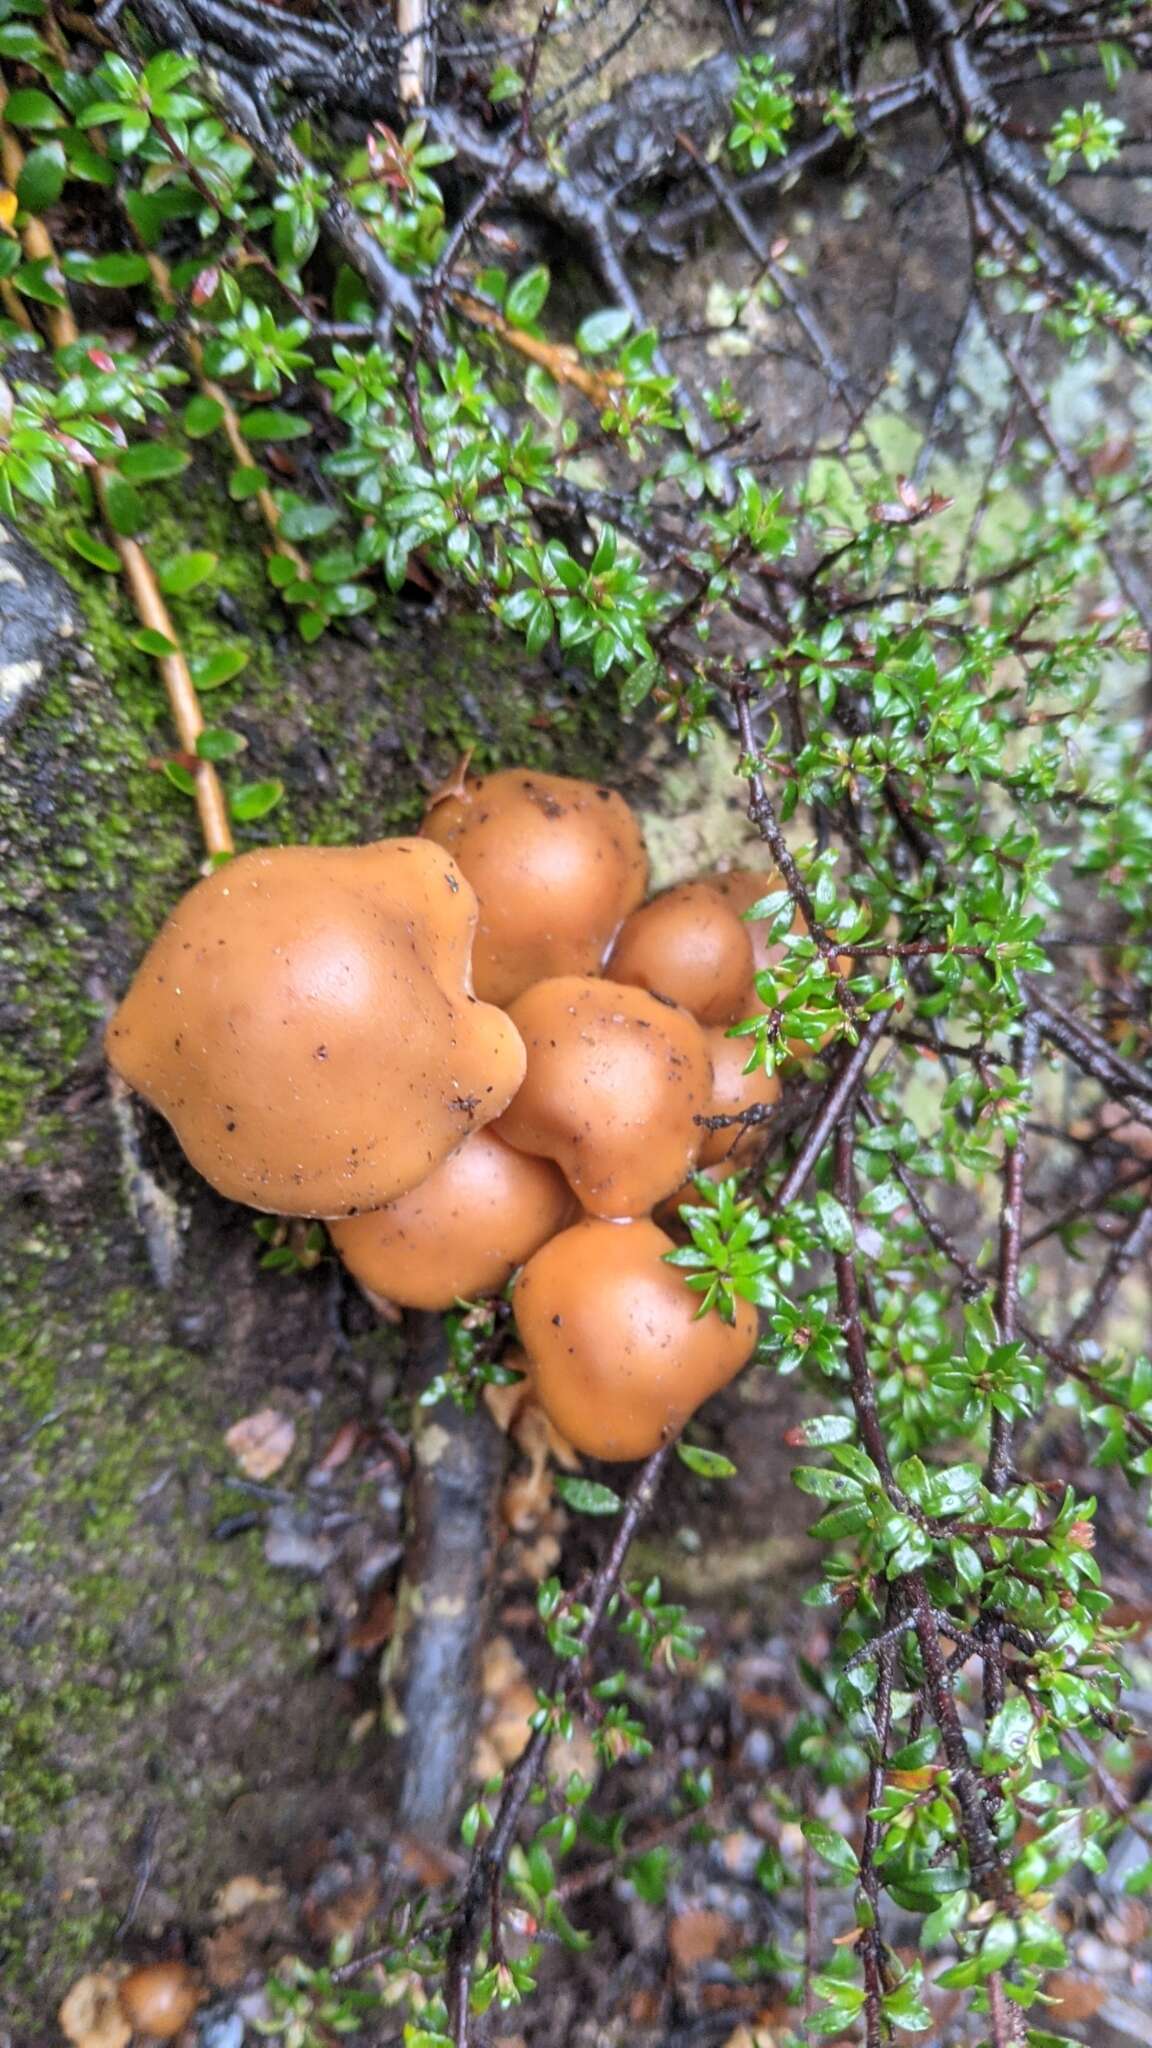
[1008, 1284]
[1132, 1247]
[145, 1868]
[848, 1294]
[762, 812]
[484, 1871]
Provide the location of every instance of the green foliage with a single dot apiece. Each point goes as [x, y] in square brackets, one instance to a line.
[763, 112]
[1087, 132]
[934, 696]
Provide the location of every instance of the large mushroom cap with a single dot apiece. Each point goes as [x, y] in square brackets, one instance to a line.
[462, 1232]
[618, 1358]
[615, 1082]
[732, 1091]
[691, 945]
[305, 1021]
[556, 863]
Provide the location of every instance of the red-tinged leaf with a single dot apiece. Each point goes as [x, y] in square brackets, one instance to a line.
[101, 359]
[205, 285]
[76, 450]
[340, 1449]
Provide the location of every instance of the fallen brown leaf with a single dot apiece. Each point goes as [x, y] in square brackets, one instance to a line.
[241, 1893]
[228, 1956]
[695, 1936]
[91, 2014]
[372, 1629]
[340, 1449]
[261, 1443]
[340, 1900]
[1074, 1998]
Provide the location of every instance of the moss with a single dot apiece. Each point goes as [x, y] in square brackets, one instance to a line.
[109, 1604]
[120, 1619]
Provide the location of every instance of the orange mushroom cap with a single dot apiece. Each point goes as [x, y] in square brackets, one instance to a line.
[305, 1021]
[463, 1231]
[741, 888]
[557, 865]
[159, 1999]
[619, 1360]
[615, 1081]
[690, 945]
[732, 1091]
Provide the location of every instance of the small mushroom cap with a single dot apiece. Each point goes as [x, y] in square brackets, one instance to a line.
[557, 865]
[159, 1998]
[732, 1091]
[305, 1021]
[690, 945]
[618, 1358]
[463, 1231]
[615, 1081]
[741, 888]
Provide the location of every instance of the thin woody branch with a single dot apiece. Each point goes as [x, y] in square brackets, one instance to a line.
[149, 604]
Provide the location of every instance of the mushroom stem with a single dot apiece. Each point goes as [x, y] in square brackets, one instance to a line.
[430, 1676]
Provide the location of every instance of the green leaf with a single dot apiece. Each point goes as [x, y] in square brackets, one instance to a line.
[998, 1945]
[202, 415]
[150, 461]
[265, 423]
[255, 800]
[1009, 1736]
[526, 297]
[181, 777]
[31, 108]
[90, 549]
[602, 331]
[42, 179]
[150, 212]
[709, 1464]
[216, 743]
[822, 1429]
[19, 40]
[118, 269]
[186, 572]
[307, 522]
[915, 1756]
[244, 483]
[587, 1496]
[831, 1847]
[825, 1485]
[40, 281]
[210, 670]
[149, 641]
[125, 507]
[835, 1222]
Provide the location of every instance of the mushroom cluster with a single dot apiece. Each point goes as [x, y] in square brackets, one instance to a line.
[481, 1056]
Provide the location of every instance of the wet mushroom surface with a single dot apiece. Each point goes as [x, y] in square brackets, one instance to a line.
[690, 945]
[305, 1021]
[615, 1081]
[462, 1232]
[556, 863]
[619, 1356]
